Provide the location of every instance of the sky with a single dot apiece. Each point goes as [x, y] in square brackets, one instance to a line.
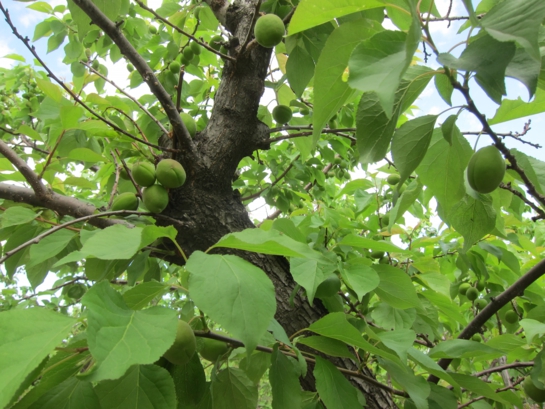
[428, 103]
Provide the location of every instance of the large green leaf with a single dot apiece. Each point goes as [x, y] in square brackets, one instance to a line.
[105, 244]
[310, 13]
[231, 388]
[358, 241]
[189, 382]
[525, 69]
[109, 7]
[517, 108]
[489, 59]
[396, 288]
[477, 386]
[379, 63]
[473, 218]
[142, 387]
[49, 246]
[119, 337]
[461, 348]
[359, 277]
[267, 242]
[26, 338]
[309, 274]
[299, 69]
[141, 295]
[416, 386]
[517, 20]
[442, 169]
[400, 341]
[334, 389]
[336, 326]
[326, 345]
[16, 215]
[405, 201]
[410, 144]
[284, 379]
[330, 91]
[234, 293]
[71, 394]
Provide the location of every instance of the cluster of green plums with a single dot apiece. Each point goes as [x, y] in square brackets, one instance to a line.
[169, 173]
[185, 346]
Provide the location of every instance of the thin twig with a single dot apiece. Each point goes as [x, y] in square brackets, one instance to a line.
[537, 209]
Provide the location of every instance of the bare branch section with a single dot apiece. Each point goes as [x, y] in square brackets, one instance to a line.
[63, 205]
[517, 289]
[113, 31]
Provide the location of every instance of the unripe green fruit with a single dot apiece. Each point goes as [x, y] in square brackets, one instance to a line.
[88, 52]
[130, 67]
[477, 338]
[393, 179]
[153, 29]
[481, 303]
[184, 345]
[190, 123]
[213, 349]
[188, 53]
[480, 285]
[196, 48]
[377, 254]
[170, 173]
[95, 64]
[224, 50]
[76, 291]
[143, 173]
[511, 317]
[532, 391]
[124, 174]
[282, 114]
[304, 111]
[329, 287]
[472, 294]
[486, 169]
[125, 201]
[269, 30]
[385, 220]
[337, 161]
[174, 67]
[155, 198]
[463, 288]
[215, 42]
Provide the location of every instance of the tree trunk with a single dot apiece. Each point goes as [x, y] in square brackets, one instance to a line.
[208, 208]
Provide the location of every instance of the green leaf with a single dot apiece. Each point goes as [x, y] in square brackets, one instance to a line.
[374, 128]
[16, 215]
[444, 87]
[330, 91]
[299, 69]
[359, 277]
[378, 64]
[448, 127]
[358, 241]
[416, 386]
[86, 155]
[50, 246]
[190, 382]
[442, 169]
[410, 144]
[473, 218]
[478, 387]
[15, 57]
[105, 244]
[71, 394]
[334, 389]
[336, 326]
[328, 346]
[532, 328]
[405, 201]
[284, 379]
[462, 348]
[489, 59]
[309, 274]
[310, 13]
[234, 293]
[140, 296]
[396, 288]
[119, 337]
[527, 164]
[256, 365]
[525, 69]
[110, 8]
[231, 388]
[51, 90]
[431, 366]
[27, 337]
[517, 20]
[400, 341]
[267, 242]
[388, 317]
[142, 386]
[517, 108]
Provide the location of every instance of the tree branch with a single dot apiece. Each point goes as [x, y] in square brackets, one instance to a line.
[517, 289]
[113, 31]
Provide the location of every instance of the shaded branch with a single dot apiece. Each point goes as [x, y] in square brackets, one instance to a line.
[515, 290]
[537, 209]
[502, 368]
[127, 49]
